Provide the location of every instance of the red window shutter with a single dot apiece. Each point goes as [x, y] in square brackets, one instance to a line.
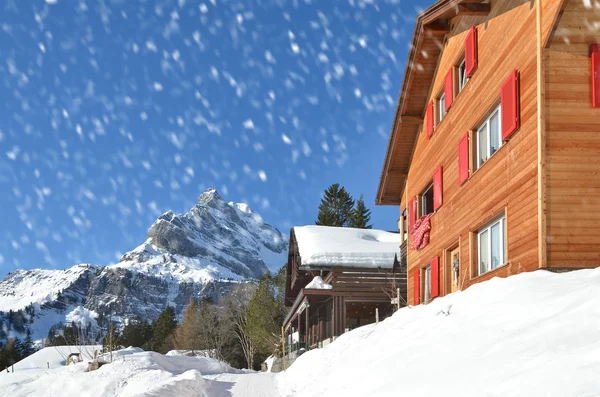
[509, 100]
[437, 188]
[595, 55]
[463, 159]
[417, 287]
[448, 89]
[435, 277]
[471, 52]
[412, 214]
[430, 119]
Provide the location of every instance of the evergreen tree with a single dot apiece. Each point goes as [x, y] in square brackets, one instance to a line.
[361, 215]
[136, 333]
[28, 348]
[336, 207]
[162, 329]
[265, 316]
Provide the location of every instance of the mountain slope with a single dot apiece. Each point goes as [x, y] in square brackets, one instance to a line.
[533, 334]
[203, 252]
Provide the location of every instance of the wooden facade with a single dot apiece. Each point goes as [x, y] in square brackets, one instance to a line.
[544, 180]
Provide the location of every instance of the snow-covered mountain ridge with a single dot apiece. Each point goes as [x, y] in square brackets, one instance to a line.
[200, 253]
[214, 240]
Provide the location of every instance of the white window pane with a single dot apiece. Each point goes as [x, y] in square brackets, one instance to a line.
[484, 252]
[482, 146]
[494, 133]
[496, 231]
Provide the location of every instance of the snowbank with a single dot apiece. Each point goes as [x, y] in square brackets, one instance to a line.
[533, 334]
[133, 372]
[55, 357]
[324, 246]
[318, 283]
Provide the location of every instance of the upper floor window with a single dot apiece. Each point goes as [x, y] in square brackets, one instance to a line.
[441, 102]
[488, 137]
[491, 246]
[427, 200]
[462, 75]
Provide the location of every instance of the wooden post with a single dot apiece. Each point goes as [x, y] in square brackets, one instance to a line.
[307, 328]
[283, 346]
[298, 343]
[398, 297]
[376, 315]
[48, 363]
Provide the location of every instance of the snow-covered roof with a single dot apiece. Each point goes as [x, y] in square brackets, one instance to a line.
[324, 246]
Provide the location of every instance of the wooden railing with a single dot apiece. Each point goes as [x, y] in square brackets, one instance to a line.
[366, 280]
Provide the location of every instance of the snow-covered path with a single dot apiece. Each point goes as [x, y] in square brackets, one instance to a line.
[243, 385]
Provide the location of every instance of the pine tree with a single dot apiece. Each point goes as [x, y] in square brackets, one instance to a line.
[336, 207]
[361, 215]
[28, 348]
[136, 333]
[162, 329]
[265, 315]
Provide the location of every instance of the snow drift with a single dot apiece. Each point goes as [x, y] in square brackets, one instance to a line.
[133, 372]
[533, 334]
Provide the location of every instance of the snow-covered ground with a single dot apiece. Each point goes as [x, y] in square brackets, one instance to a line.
[534, 334]
[133, 372]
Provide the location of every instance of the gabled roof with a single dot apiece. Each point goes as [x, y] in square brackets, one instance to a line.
[427, 44]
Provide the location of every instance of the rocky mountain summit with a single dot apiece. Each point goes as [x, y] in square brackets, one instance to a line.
[201, 253]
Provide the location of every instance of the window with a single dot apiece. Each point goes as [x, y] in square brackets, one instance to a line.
[427, 200]
[427, 284]
[488, 137]
[462, 75]
[441, 102]
[491, 246]
[405, 225]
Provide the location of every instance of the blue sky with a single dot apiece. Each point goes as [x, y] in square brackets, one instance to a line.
[112, 112]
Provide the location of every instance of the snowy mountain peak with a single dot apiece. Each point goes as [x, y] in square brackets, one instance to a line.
[210, 195]
[213, 240]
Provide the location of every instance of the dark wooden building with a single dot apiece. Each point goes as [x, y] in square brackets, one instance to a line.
[339, 279]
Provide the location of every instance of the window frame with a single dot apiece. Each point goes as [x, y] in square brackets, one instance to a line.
[441, 106]
[486, 123]
[423, 200]
[405, 225]
[501, 220]
[426, 284]
[462, 74]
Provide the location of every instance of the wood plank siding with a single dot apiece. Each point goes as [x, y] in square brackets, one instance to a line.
[508, 180]
[573, 140]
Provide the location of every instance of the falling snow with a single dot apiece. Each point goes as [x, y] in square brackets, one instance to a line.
[106, 127]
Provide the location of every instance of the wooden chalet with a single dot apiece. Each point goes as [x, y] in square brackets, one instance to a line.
[339, 279]
[494, 153]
